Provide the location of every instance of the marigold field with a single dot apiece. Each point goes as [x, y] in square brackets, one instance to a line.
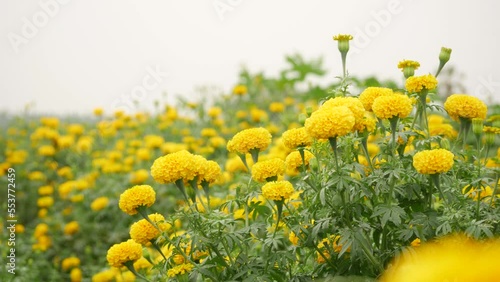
[277, 180]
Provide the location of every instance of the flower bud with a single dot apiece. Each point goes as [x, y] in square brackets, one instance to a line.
[343, 42]
[445, 144]
[444, 56]
[489, 138]
[309, 111]
[477, 126]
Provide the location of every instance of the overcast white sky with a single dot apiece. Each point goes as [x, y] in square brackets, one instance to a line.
[70, 56]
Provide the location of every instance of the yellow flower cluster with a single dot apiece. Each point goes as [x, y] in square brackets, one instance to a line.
[327, 244]
[99, 203]
[371, 93]
[143, 232]
[175, 166]
[296, 137]
[433, 161]
[263, 170]
[438, 127]
[210, 172]
[71, 228]
[465, 106]
[448, 259]
[415, 84]
[367, 124]
[69, 263]
[294, 161]
[386, 107]
[137, 196]
[128, 251]
[250, 139]
[277, 190]
[180, 270]
[353, 104]
[408, 64]
[330, 122]
[240, 90]
[482, 193]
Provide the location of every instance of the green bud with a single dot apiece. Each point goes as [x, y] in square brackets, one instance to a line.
[408, 71]
[309, 111]
[477, 126]
[489, 138]
[445, 144]
[444, 56]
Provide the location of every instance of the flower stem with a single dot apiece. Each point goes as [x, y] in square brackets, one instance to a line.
[130, 267]
[333, 144]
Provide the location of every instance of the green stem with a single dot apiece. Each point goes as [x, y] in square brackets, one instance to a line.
[435, 181]
[333, 144]
[493, 196]
[130, 266]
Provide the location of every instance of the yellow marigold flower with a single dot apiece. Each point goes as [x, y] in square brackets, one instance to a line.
[235, 164]
[135, 197]
[51, 122]
[142, 263]
[477, 193]
[296, 137]
[210, 172]
[104, 276]
[330, 122]
[433, 161]
[443, 129]
[175, 166]
[152, 141]
[240, 90]
[371, 93]
[180, 270]
[45, 190]
[386, 107]
[214, 112]
[367, 124]
[250, 139]
[71, 228]
[293, 238]
[277, 190]
[69, 263]
[465, 106]
[47, 151]
[258, 115]
[98, 112]
[139, 176]
[353, 104]
[294, 161]
[408, 63]
[75, 129]
[491, 129]
[75, 275]
[143, 232]
[342, 37]
[119, 254]
[415, 84]
[276, 107]
[447, 259]
[333, 244]
[263, 170]
[99, 203]
[208, 132]
[45, 202]
[41, 229]
[415, 243]
[20, 228]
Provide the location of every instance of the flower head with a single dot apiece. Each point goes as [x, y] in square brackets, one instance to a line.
[128, 251]
[353, 104]
[135, 197]
[180, 270]
[296, 137]
[250, 139]
[433, 161]
[294, 161]
[465, 106]
[330, 122]
[99, 203]
[210, 172]
[143, 231]
[408, 64]
[371, 93]
[263, 170]
[277, 190]
[386, 107]
[172, 167]
[415, 84]
[240, 90]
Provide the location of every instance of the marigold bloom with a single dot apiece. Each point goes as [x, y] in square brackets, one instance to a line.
[386, 107]
[447, 259]
[353, 104]
[45, 202]
[408, 63]
[371, 93]
[75, 275]
[128, 251]
[99, 203]
[433, 161]
[250, 139]
[210, 172]
[296, 137]
[47, 151]
[263, 170]
[415, 84]
[367, 124]
[71, 228]
[135, 197]
[465, 106]
[143, 232]
[172, 167]
[330, 122]
[276, 107]
[277, 190]
[482, 193]
[69, 263]
[240, 90]
[294, 161]
[180, 270]
[139, 176]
